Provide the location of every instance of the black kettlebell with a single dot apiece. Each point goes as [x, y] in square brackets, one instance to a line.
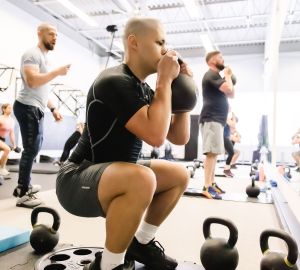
[184, 93]
[274, 260]
[233, 79]
[43, 238]
[155, 153]
[197, 163]
[17, 149]
[218, 253]
[252, 190]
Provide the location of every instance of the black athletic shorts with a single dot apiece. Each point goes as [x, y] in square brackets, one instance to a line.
[2, 139]
[77, 187]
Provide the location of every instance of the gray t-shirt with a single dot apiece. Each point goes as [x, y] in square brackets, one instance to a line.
[37, 97]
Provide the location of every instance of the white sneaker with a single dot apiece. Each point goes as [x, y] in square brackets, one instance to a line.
[34, 189]
[4, 172]
[28, 201]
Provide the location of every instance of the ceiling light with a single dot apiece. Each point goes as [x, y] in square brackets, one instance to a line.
[78, 12]
[207, 44]
[191, 8]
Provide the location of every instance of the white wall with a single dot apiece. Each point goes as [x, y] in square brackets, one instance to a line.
[251, 101]
[18, 33]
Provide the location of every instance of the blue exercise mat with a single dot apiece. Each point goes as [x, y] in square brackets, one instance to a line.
[12, 237]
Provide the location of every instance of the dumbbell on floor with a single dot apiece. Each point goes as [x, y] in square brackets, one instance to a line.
[197, 163]
[191, 169]
[155, 153]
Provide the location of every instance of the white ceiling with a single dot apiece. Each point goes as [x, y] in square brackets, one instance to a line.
[235, 26]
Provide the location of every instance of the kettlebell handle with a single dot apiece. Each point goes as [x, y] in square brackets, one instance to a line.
[43, 209]
[233, 232]
[292, 245]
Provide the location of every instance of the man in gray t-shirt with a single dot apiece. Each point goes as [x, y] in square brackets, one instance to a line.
[29, 109]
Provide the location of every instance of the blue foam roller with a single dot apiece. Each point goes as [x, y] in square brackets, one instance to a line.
[12, 237]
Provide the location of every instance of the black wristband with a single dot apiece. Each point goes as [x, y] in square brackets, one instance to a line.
[52, 109]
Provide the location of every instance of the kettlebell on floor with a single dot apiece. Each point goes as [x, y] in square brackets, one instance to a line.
[43, 238]
[274, 260]
[219, 253]
[253, 190]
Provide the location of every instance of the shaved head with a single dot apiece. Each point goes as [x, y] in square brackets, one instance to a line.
[144, 43]
[139, 26]
[45, 26]
[47, 35]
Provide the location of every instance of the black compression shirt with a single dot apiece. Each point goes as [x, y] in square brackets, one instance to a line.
[215, 103]
[115, 96]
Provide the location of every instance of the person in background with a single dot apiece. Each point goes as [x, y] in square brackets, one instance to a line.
[229, 150]
[231, 136]
[235, 138]
[30, 106]
[7, 125]
[215, 92]
[296, 154]
[70, 143]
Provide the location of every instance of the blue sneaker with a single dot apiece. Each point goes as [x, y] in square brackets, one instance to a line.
[273, 183]
[217, 188]
[213, 193]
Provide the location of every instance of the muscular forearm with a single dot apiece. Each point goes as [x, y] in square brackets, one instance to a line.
[179, 131]
[231, 94]
[159, 112]
[39, 79]
[230, 90]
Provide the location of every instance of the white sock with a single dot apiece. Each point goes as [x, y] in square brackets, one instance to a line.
[146, 232]
[111, 260]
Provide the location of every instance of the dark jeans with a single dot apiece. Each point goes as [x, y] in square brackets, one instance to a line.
[229, 149]
[69, 145]
[31, 120]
